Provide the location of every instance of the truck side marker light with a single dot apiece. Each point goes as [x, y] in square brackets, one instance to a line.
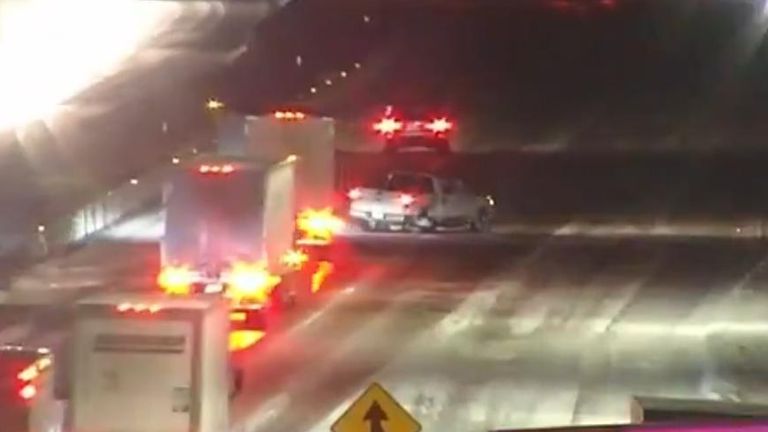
[324, 269]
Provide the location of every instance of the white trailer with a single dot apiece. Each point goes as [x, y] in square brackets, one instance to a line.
[145, 363]
[236, 220]
[222, 210]
[287, 134]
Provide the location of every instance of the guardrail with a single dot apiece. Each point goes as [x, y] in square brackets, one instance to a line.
[75, 228]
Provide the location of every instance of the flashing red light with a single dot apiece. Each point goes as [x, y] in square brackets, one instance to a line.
[388, 126]
[28, 392]
[354, 194]
[440, 125]
[406, 199]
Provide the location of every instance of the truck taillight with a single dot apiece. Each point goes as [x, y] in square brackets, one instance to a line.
[175, 280]
[406, 199]
[355, 194]
[319, 224]
[324, 269]
[250, 281]
[388, 126]
[440, 125]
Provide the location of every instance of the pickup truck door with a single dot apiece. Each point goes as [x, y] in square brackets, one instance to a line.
[450, 200]
[466, 201]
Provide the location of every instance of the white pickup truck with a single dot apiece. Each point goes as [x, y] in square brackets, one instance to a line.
[419, 202]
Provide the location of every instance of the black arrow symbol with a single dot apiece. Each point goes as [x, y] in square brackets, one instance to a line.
[375, 416]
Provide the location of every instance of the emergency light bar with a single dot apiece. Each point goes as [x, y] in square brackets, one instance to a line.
[216, 169]
[289, 115]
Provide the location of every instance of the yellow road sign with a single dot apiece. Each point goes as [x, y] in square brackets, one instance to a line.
[376, 411]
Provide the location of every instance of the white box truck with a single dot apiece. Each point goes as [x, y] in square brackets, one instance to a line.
[236, 221]
[146, 363]
[283, 134]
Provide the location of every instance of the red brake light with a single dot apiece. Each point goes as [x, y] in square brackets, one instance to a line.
[28, 392]
[354, 194]
[387, 126]
[406, 199]
[440, 125]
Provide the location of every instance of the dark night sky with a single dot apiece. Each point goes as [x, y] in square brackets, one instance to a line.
[631, 70]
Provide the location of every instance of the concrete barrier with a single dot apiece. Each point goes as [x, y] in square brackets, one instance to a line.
[61, 234]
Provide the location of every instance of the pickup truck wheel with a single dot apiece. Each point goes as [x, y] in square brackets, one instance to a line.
[481, 222]
[428, 228]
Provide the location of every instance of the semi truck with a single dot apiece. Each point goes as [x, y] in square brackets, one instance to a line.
[149, 363]
[253, 220]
